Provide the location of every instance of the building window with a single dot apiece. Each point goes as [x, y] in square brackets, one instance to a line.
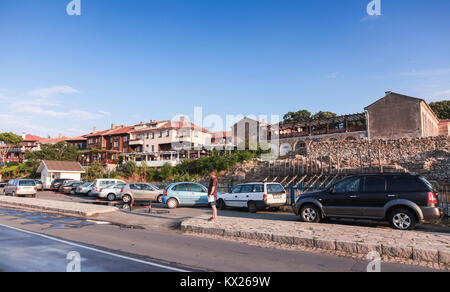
[153, 148]
[153, 135]
[168, 133]
[160, 134]
[126, 139]
[116, 144]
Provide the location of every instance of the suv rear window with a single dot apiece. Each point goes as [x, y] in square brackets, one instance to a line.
[27, 183]
[406, 184]
[275, 189]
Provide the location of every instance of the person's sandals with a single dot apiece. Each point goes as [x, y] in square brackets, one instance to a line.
[212, 219]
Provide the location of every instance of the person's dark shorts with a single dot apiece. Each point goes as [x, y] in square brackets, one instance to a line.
[213, 203]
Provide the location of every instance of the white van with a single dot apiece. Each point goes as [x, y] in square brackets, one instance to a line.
[100, 183]
[254, 196]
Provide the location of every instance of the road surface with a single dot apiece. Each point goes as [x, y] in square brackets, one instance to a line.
[32, 241]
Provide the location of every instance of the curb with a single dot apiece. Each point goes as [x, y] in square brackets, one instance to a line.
[53, 209]
[423, 254]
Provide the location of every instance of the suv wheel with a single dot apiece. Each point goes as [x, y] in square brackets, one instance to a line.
[172, 203]
[127, 199]
[159, 199]
[111, 197]
[310, 213]
[402, 219]
[252, 207]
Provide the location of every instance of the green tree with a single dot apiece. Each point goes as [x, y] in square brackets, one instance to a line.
[129, 168]
[95, 171]
[324, 115]
[61, 151]
[299, 116]
[441, 109]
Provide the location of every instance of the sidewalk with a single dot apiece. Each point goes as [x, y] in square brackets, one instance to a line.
[70, 208]
[351, 240]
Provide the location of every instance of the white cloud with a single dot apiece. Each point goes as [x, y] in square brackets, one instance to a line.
[41, 112]
[333, 75]
[440, 95]
[52, 91]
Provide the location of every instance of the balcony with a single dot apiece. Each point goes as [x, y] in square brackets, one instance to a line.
[135, 142]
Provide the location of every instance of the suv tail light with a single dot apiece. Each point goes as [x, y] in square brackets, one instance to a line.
[121, 190]
[17, 189]
[101, 190]
[165, 192]
[35, 188]
[264, 197]
[432, 198]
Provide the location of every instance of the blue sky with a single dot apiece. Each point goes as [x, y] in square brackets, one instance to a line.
[124, 62]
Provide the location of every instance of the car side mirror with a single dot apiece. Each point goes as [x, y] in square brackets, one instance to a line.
[331, 190]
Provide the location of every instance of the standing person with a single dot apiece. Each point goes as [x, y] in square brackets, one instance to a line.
[212, 194]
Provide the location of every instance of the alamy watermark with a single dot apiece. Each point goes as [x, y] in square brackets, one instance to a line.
[74, 8]
[374, 8]
[74, 265]
[374, 265]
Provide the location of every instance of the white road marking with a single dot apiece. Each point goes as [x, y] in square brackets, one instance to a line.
[97, 250]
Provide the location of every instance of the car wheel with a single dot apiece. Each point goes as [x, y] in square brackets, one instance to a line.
[159, 199]
[402, 219]
[126, 207]
[310, 213]
[252, 207]
[111, 197]
[127, 199]
[172, 203]
[221, 204]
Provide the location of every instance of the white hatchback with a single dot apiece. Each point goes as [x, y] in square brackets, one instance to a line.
[254, 196]
[100, 183]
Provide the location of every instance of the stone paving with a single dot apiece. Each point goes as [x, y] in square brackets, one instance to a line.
[417, 246]
[85, 210]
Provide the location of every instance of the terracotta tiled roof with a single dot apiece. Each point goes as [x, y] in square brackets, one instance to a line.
[120, 130]
[222, 134]
[33, 138]
[63, 166]
[79, 138]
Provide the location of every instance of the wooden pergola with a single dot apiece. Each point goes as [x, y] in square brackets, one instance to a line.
[340, 124]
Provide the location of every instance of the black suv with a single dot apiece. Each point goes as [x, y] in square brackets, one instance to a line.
[401, 199]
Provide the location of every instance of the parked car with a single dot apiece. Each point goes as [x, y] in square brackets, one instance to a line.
[3, 183]
[254, 196]
[39, 185]
[54, 186]
[84, 189]
[401, 199]
[111, 192]
[101, 183]
[140, 192]
[186, 194]
[70, 187]
[21, 187]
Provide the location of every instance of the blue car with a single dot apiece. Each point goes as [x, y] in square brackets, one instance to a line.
[185, 194]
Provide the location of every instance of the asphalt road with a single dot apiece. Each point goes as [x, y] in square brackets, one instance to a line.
[31, 241]
[24, 251]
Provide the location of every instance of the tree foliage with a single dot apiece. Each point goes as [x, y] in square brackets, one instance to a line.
[61, 151]
[305, 116]
[441, 109]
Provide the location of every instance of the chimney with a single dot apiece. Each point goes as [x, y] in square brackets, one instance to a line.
[94, 130]
[182, 119]
[59, 136]
[388, 92]
[113, 126]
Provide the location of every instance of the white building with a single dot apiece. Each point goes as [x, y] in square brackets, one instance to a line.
[162, 142]
[51, 170]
